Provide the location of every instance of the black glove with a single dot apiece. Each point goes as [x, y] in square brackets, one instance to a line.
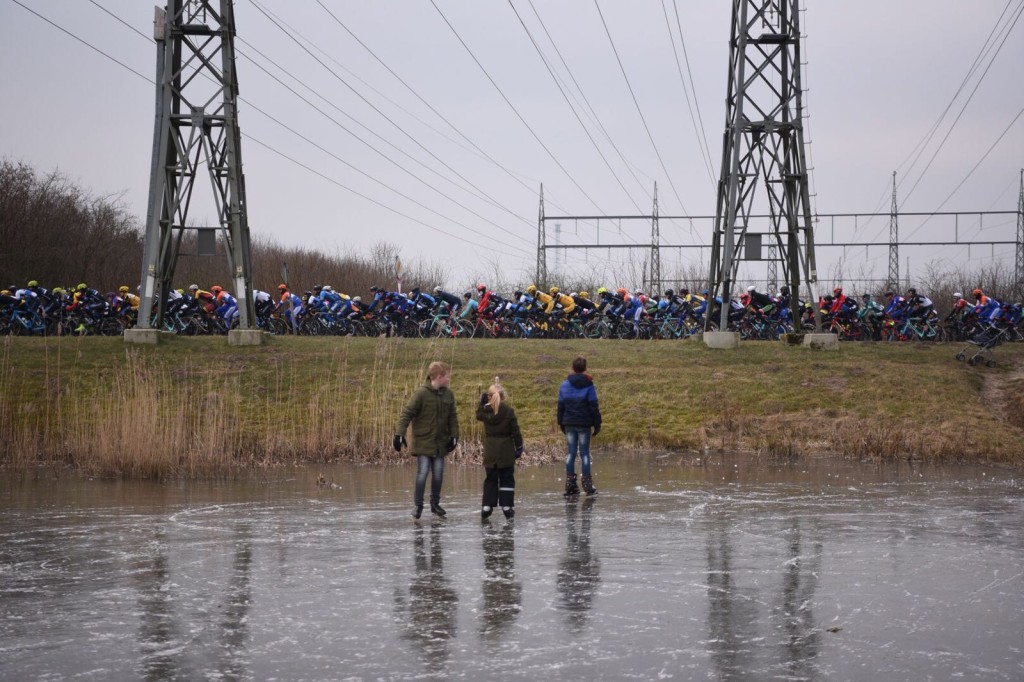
[484, 399]
[519, 451]
[453, 442]
[597, 429]
[561, 427]
[398, 442]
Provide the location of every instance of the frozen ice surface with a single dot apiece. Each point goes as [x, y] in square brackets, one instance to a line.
[823, 571]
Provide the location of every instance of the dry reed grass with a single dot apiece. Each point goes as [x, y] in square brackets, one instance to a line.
[196, 408]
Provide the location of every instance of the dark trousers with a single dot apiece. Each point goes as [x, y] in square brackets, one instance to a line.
[500, 487]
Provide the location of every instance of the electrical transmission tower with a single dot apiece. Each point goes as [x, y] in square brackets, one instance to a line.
[540, 277]
[764, 141]
[196, 123]
[893, 282]
[655, 282]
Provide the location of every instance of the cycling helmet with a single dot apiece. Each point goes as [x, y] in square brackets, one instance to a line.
[123, 289]
[307, 293]
[584, 294]
[669, 292]
[481, 287]
[978, 292]
[643, 299]
[684, 292]
[280, 287]
[437, 290]
[601, 290]
[911, 290]
[784, 290]
[357, 299]
[328, 287]
[468, 294]
[751, 289]
[216, 288]
[517, 293]
[58, 291]
[889, 294]
[866, 296]
[837, 291]
[195, 287]
[553, 291]
[81, 287]
[621, 291]
[958, 295]
[531, 289]
[32, 283]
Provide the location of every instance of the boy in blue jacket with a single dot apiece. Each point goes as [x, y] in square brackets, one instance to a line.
[578, 413]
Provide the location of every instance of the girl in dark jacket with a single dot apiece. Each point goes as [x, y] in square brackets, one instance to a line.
[503, 445]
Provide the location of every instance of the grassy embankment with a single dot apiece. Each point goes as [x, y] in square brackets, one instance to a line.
[198, 408]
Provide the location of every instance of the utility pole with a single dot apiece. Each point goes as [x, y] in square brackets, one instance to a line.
[764, 141]
[540, 277]
[196, 123]
[894, 241]
[655, 286]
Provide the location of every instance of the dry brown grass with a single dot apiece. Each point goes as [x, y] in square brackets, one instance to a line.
[198, 408]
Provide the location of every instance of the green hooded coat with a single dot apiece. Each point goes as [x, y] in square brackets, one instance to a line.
[431, 411]
[501, 435]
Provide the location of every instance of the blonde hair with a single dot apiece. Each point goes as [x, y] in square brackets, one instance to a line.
[437, 369]
[495, 394]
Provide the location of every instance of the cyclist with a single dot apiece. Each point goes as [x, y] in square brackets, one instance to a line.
[227, 305]
[895, 306]
[290, 305]
[584, 306]
[449, 301]
[986, 308]
[918, 305]
[565, 302]
[470, 307]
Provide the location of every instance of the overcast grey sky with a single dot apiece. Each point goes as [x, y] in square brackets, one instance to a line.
[879, 74]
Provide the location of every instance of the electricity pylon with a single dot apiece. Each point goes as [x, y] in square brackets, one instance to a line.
[764, 142]
[196, 123]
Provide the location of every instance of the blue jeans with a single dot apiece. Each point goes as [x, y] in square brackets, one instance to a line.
[435, 466]
[577, 438]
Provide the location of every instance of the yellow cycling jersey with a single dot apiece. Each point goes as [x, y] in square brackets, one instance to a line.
[545, 300]
[565, 300]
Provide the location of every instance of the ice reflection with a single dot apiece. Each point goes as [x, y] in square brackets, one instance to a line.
[675, 572]
[801, 633]
[160, 637]
[428, 611]
[579, 571]
[502, 592]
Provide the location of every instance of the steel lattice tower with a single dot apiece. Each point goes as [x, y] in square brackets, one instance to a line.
[764, 141]
[655, 283]
[196, 123]
[894, 241]
[541, 275]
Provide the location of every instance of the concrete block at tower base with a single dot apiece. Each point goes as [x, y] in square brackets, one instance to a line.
[724, 340]
[821, 341]
[245, 337]
[146, 337]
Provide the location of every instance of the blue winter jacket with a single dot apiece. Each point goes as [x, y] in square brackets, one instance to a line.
[577, 402]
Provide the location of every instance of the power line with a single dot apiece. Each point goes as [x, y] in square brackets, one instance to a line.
[370, 146]
[701, 144]
[512, 106]
[571, 107]
[589, 107]
[668, 175]
[151, 82]
[411, 138]
[425, 103]
[964, 107]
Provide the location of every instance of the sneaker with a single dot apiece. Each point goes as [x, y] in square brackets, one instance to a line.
[417, 511]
